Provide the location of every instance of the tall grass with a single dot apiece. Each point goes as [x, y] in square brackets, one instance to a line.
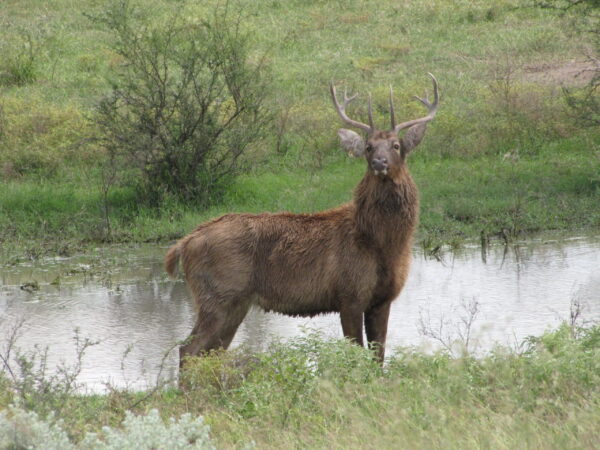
[311, 393]
[479, 50]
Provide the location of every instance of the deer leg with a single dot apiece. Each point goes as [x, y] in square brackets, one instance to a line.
[376, 324]
[214, 329]
[352, 325]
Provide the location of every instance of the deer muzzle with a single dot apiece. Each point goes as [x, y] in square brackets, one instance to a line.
[379, 164]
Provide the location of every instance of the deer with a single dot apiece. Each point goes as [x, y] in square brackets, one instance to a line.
[353, 259]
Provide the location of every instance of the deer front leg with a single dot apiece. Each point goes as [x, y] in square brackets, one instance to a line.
[352, 325]
[376, 323]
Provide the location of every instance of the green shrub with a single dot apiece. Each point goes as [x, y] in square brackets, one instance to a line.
[187, 100]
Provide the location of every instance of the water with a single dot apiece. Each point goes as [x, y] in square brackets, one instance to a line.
[122, 298]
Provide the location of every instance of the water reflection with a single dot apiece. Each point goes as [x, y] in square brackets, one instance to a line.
[122, 298]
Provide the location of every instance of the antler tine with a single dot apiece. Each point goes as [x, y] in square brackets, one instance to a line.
[392, 113]
[371, 122]
[347, 99]
[341, 110]
[431, 108]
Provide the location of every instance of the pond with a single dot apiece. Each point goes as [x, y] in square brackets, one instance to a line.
[122, 298]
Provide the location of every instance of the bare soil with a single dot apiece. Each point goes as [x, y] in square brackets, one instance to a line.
[569, 73]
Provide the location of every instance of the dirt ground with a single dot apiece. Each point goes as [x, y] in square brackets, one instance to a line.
[569, 73]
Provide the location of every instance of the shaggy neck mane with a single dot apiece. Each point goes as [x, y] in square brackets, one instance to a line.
[386, 210]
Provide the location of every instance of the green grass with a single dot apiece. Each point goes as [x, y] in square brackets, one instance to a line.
[310, 393]
[482, 52]
[556, 189]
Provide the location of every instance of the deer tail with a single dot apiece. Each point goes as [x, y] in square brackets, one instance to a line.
[172, 259]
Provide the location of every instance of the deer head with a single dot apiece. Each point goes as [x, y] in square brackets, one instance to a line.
[384, 150]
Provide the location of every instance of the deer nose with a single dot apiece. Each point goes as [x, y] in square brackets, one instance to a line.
[379, 164]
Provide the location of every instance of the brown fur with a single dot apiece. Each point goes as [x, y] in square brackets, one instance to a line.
[353, 259]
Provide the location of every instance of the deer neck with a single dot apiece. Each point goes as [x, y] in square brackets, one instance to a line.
[386, 209]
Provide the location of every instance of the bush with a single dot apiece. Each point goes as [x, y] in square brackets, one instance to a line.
[24, 429]
[150, 432]
[186, 103]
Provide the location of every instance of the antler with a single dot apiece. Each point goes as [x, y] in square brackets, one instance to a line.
[392, 114]
[342, 110]
[431, 107]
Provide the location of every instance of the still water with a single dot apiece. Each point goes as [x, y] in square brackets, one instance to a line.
[121, 297]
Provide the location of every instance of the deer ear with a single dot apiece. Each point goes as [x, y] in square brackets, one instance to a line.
[413, 137]
[352, 142]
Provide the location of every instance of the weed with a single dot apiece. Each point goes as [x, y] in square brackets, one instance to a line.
[34, 386]
[453, 335]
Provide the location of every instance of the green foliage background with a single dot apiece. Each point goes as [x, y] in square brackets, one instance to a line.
[504, 156]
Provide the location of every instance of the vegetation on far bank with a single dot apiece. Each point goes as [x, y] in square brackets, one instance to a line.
[505, 154]
[557, 189]
[311, 393]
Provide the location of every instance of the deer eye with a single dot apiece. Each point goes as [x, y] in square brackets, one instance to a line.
[369, 148]
[396, 146]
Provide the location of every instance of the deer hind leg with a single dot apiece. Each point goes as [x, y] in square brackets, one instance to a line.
[352, 325]
[376, 324]
[215, 327]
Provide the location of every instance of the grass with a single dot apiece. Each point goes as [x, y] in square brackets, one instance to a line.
[310, 393]
[503, 155]
[556, 189]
